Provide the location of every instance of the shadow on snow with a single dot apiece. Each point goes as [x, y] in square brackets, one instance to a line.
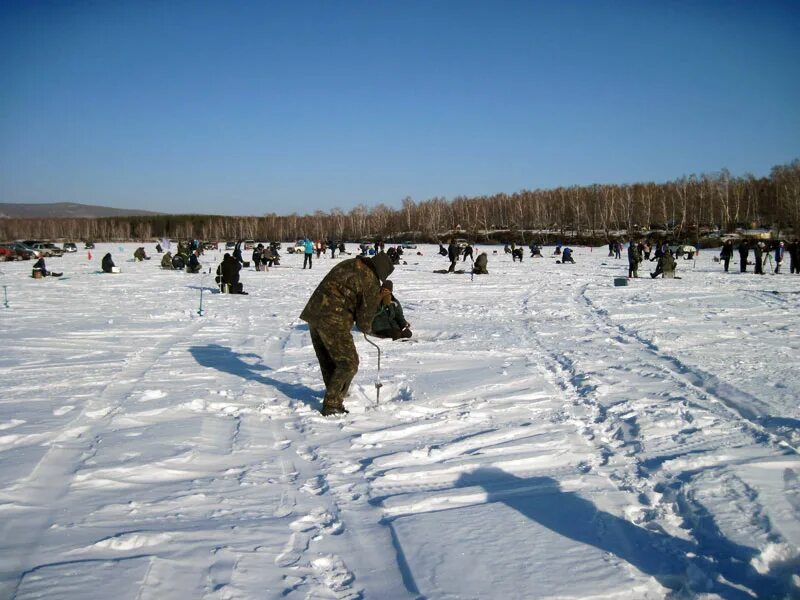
[221, 358]
[674, 562]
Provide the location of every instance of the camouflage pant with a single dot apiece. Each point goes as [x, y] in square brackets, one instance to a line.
[338, 361]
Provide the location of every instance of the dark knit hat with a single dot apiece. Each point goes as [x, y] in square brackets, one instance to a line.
[388, 285]
[383, 265]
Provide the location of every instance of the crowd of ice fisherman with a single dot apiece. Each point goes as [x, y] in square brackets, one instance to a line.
[765, 255]
[358, 291]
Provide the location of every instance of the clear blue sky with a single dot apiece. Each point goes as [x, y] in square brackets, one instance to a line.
[253, 107]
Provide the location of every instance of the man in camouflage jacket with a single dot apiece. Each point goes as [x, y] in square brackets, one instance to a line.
[349, 293]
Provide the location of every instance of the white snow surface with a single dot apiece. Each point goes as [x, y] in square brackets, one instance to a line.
[544, 435]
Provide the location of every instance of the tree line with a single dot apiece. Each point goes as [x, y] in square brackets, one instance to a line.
[683, 206]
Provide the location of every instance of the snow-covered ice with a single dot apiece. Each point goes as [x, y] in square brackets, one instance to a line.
[544, 435]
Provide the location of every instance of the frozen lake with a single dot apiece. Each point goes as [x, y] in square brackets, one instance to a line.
[544, 435]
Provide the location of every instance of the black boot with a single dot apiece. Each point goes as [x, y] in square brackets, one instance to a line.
[328, 410]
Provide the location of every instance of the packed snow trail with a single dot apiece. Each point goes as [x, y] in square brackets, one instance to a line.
[544, 435]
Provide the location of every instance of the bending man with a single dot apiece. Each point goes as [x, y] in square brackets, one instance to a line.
[349, 293]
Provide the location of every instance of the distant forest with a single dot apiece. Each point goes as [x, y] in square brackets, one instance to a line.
[684, 207]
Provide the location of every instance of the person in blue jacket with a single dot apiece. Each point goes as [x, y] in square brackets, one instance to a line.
[566, 256]
[308, 252]
[779, 251]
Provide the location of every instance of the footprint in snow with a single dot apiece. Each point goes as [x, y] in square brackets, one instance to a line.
[334, 574]
[316, 485]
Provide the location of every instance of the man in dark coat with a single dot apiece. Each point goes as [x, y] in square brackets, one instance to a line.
[349, 293]
[237, 252]
[726, 254]
[794, 257]
[744, 249]
[41, 267]
[228, 275]
[479, 268]
[452, 254]
[257, 258]
[758, 255]
[194, 265]
[140, 254]
[389, 322]
[467, 252]
[108, 263]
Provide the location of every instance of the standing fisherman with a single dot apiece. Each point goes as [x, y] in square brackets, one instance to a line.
[634, 258]
[726, 254]
[744, 249]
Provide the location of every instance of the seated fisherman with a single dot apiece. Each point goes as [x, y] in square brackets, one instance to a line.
[228, 275]
[140, 254]
[40, 266]
[665, 266]
[108, 263]
[479, 268]
[166, 260]
[194, 265]
[389, 321]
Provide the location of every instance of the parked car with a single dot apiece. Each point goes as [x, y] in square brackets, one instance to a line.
[7, 253]
[39, 247]
[298, 248]
[230, 245]
[209, 245]
[48, 249]
[408, 245]
[70, 247]
[88, 245]
[26, 246]
[683, 250]
[21, 251]
[461, 243]
[249, 244]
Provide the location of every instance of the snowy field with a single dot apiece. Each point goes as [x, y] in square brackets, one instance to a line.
[545, 435]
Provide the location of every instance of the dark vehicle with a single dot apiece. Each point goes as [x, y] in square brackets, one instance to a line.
[230, 245]
[88, 245]
[21, 251]
[209, 245]
[408, 245]
[26, 246]
[70, 247]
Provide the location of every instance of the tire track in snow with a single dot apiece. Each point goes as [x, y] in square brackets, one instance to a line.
[723, 398]
[624, 438]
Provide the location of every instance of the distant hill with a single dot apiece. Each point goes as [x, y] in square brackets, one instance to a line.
[66, 210]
